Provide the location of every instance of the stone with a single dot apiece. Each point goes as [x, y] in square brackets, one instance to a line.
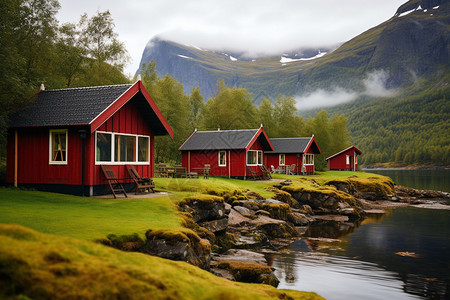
[236, 219]
[215, 226]
[298, 219]
[202, 210]
[263, 213]
[243, 210]
[182, 246]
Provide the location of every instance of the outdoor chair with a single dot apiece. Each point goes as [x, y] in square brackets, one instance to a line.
[274, 171]
[206, 171]
[179, 172]
[252, 174]
[266, 173]
[113, 182]
[290, 169]
[143, 184]
[162, 170]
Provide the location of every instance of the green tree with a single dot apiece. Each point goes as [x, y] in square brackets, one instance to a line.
[266, 117]
[102, 45]
[196, 106]
[231, 108]
[70, 53]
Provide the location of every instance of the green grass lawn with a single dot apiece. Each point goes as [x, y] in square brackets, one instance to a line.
[91, 218]
[85, 217]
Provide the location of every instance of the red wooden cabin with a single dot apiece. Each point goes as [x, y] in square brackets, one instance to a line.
[344, 160]
[293, 151]
[228, 152]
[58, 142]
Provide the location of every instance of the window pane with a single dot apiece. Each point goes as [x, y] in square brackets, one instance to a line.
[259, 157]
[143, 149]
[103, 147]
[125, 148]
[222, 158]
[58, 146]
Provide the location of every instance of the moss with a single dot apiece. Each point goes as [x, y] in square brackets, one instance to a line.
[225, 241]
[245, 271]
[202, 198]
[131, 242]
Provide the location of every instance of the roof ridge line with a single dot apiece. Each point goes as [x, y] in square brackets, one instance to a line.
[89, 87]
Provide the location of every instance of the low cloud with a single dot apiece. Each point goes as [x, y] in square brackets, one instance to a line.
[374, 86]
[320, 98]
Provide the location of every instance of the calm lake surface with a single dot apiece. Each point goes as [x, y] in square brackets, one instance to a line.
[359, 260]
[438, 180]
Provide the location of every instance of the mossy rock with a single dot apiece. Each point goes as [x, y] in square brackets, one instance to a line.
[249, 272]
[131, 242]
[179, 245]
[278, 230]
[225, 241]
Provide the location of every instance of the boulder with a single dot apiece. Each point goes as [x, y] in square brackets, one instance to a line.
[243, 210]
[299, 219]
[215, 226]
[236, 219]
[204, 207]
[184, 246]
[250, 272]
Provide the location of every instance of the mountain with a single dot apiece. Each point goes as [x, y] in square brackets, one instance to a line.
[414, 43]
[392, 82]
[192, 66]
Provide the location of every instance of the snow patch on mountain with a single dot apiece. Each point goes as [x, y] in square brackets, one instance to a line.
[285, 60]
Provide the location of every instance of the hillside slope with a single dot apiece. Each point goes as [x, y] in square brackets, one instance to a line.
[39, 266]
[414, 43]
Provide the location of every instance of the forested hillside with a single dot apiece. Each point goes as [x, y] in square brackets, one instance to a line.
[405, 130]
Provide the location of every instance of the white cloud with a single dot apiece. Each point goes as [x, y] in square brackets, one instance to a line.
[374, 86]
[253, 26]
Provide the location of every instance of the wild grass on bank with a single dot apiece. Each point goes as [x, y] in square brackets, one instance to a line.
[86, 217]
[52, 267]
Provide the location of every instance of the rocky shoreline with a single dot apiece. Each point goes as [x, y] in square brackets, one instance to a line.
[229, 234]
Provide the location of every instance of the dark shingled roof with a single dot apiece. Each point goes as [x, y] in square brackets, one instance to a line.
[75, 106]
[219, 140]
[289, 145]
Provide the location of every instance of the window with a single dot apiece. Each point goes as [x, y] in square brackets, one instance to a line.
[254, 157]
[118, 148]
[356, 159]
[58, 147]
[104, 147]
[347, 159]
[309, 159]
[281, 159]
[222, 158]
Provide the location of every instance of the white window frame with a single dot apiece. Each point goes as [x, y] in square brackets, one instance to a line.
[225, 158]
[347, 159]
[50, 146]
[311, 159]
[113, 139]
[257, 156]
[281, 162]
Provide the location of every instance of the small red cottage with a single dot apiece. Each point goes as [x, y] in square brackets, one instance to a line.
[58, 142]
[345, 160]
[293, 151]
[228, 152]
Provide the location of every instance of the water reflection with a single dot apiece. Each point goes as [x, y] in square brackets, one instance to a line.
[359, 260]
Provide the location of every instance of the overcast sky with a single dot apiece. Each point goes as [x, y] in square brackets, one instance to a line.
[253, 26]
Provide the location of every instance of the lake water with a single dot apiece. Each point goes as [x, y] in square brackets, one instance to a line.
[438, 180]
[362, 260]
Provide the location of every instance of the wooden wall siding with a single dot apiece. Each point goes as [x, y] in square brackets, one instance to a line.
[33, 154]
[127, 120]
[33, 158]
[339, 162]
